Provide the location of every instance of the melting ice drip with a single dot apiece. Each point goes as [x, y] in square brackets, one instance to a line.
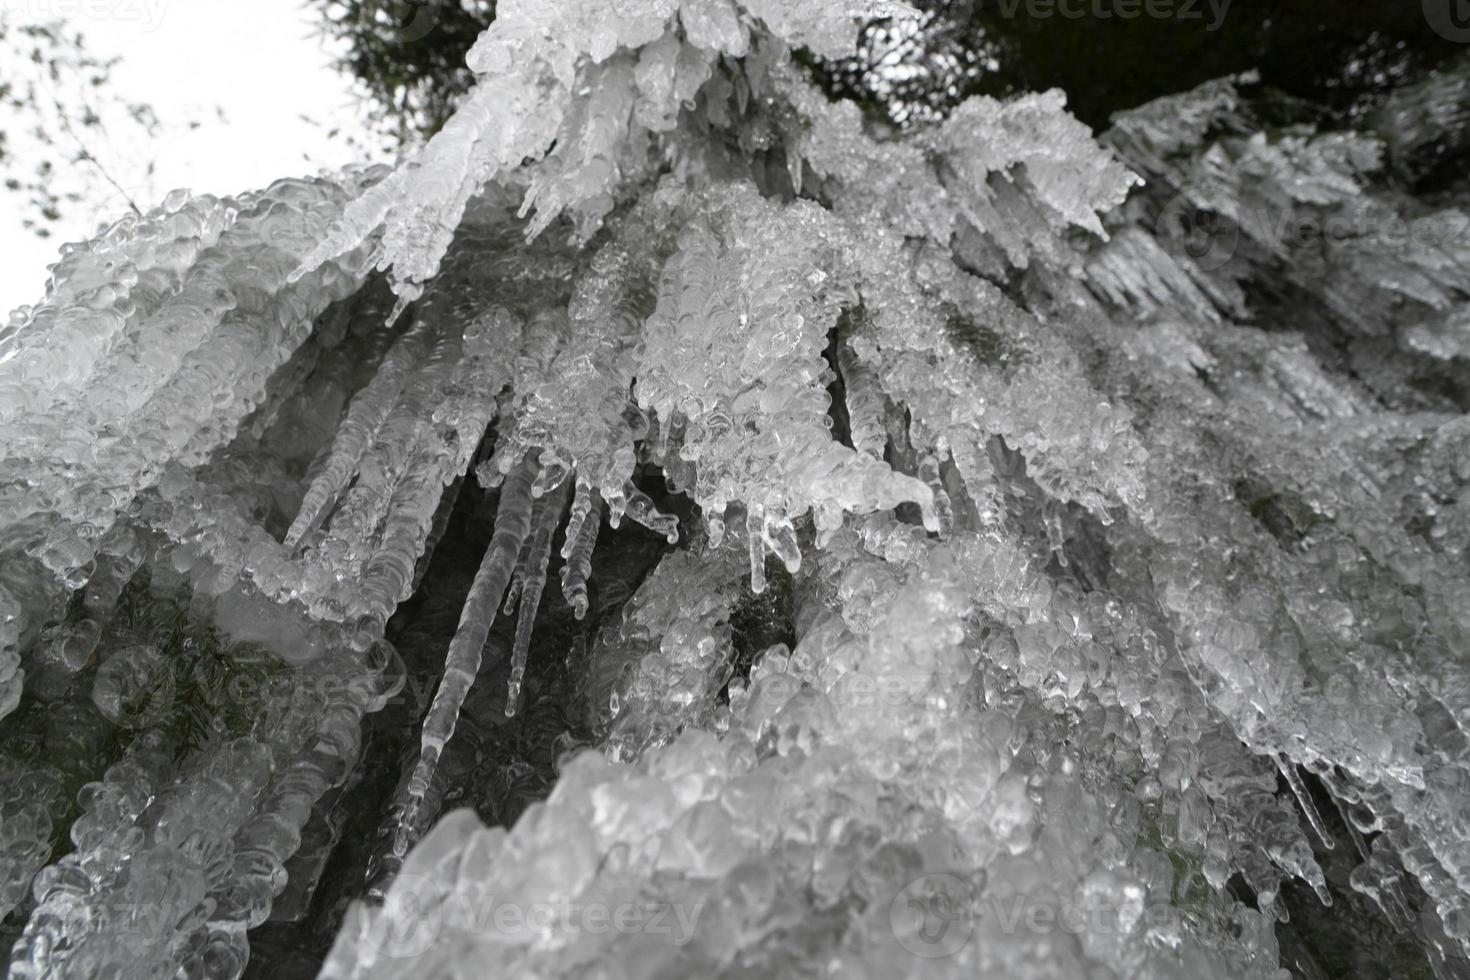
[1081, 560]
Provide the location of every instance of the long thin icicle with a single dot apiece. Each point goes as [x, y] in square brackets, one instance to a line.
[1304, 798]
[518, 576]
[357, 523]
[462, 662]
[578, 552]
[533, 581]
[365, 415]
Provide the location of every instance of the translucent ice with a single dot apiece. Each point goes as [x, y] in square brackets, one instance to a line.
[1061, 559]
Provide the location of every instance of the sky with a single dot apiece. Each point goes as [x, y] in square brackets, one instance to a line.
[258, 60]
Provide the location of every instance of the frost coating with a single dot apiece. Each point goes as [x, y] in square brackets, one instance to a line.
[165, 379]
[1094, 578]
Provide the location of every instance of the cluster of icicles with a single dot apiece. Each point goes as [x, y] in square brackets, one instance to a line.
[514, 568]
[533, 501]
[1078, 511]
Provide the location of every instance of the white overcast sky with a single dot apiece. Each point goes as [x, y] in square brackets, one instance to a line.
[259, 60]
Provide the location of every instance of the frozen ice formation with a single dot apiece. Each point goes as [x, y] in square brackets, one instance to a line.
[1055, 546]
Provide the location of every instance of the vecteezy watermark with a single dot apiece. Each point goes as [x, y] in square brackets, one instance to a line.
[857, 691]
[936, 915]
[148, 14]
[420, 912]
[1181, 10]
[1205, 238]
[1450, 19]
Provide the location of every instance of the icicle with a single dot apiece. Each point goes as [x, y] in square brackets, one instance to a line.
[674, 439]
[462, 662]
[827, 517]
[658, 437]
[400, 468]
[617, 505]
[582, 505]
[533, 582]
[419, 509]
[781, 536]
[756, 542]
[578, 552]
[1304, 799]
[943, 508]
[864, 403]
[518, 577]
[642, 510]
[355, 435]
[553, 474]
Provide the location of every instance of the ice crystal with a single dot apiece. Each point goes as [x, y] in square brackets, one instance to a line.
[1047, 522]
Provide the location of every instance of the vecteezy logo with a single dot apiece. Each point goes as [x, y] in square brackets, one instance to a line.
[1206, 239]
[1450, 19]
[409, 923]
[932, 917]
